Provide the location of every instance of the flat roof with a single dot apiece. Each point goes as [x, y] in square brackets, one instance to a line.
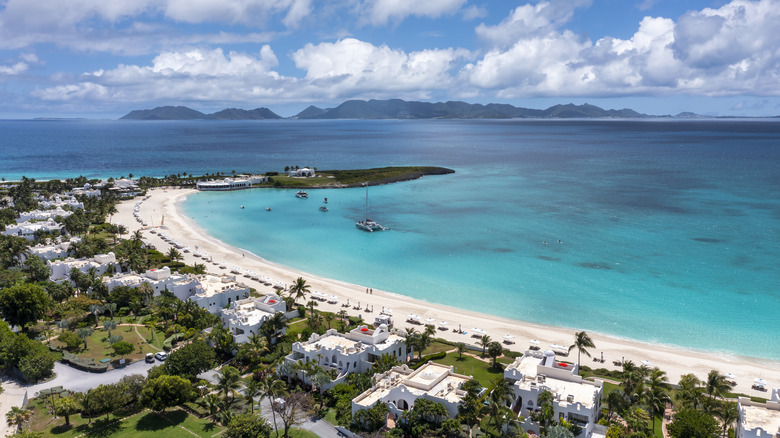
[760, 417]
[446, 384]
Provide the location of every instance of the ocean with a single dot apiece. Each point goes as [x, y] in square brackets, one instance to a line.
[654, 230]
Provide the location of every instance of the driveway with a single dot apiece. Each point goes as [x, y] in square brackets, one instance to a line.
[81, 381]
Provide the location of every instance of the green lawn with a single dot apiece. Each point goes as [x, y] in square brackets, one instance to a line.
[175, 424]
[471, 366]
[297, 433]
[436, 347]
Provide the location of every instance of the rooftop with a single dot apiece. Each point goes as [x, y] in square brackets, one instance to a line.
[436, 380]
[764, 416]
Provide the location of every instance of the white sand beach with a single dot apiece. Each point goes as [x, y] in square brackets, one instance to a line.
[675, 361]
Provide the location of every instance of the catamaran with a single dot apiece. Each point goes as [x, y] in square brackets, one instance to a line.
[302, 194]
[368, 224]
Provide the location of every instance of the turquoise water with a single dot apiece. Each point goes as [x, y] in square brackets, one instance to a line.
[653, 247]
[668, 229]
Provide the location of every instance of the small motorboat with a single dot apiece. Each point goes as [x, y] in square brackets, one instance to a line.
[302, 194]
[323, 208]
[326, 200]
[268, 209]
[242, 206]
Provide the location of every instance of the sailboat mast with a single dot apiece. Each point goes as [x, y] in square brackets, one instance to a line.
[366, 209]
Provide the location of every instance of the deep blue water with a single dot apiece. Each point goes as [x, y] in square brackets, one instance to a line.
[668, 229]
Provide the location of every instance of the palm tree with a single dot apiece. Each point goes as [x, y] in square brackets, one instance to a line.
[299, 289]
[211, 403]
[311, 305]
[272, 388]
[199, 268]
[483, 342]
[689, 392]
[17, 417]
[461, 349]
[728, 414]
[656, 396]
[84, 333]
[174, 254]
[581, 342]
[228, 382]
[137, 238]
[251, 391]
[109, 325]
[716, 384]
[96, 310]
[319, 380]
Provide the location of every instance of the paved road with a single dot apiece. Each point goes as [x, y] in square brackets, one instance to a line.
[81, 381]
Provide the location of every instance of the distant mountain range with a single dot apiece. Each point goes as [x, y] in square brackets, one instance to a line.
[394, 109]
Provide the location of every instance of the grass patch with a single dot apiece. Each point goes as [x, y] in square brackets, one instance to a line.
[436, 347]
[482, 371]
[297, 433]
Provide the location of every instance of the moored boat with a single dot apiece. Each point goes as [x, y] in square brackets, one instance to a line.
[302, 194]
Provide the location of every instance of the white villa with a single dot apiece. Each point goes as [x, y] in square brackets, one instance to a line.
[401, 387]
[87, 191]
[58, 202]
[355, 351]
[245, 317]
[182, 286]
[60, 269]
[122, 187]
[49, 252]
[42, 215]
[576, 400]
[28, 229]
[759, 420]
[242, 182]
[301, 173]
[216, 293]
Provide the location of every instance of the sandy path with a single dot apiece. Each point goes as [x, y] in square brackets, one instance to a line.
[674, 361]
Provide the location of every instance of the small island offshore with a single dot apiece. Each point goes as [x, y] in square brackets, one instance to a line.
[129, 325]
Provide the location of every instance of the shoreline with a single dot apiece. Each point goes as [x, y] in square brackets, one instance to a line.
[675, 360]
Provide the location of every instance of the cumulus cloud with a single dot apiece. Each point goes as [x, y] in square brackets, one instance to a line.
[358, 65]
[725, 51]
[530, 20]
[380, 12]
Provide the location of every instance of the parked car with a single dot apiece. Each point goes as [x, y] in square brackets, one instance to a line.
[149, 357]
[161, 355]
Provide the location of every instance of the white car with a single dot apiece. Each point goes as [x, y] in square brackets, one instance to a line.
[161, 356]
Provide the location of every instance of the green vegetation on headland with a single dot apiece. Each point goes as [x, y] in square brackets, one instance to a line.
[359, 177]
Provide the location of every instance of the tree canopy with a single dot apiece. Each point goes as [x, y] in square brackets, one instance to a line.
[190, 360]
[22, 304]
[165, 392]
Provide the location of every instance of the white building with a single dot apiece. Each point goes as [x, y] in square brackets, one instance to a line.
[759, 420]
[59, 201]
[301, 173]
[182, 286]
[42, 215]
[245, 317]
[576, 400]
[355, 351]
[60, 269]
[216, 293]
[401, 387]
[28, 229]
[243, 182]
[50, 252]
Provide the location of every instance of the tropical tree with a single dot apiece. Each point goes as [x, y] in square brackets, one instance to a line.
[299, 289]
[616, 402]
[494, 350]
[251, 391]
[174, 254]
[319, 380]
[109, 325]
[483, 342]
[247, 426]
[122, 348]
[656, 395]
[211, 402]
[166, 391]
[65, 407]
[495, 406]
[461, 347]
[22, 304]
[716, 384]
[272, 388]
[693, 423]
[545, 416]
[384, 363]
[581, 342]
[96, 310]
[84, 333]
[727, 413]
[17, 417]
[689, 393]
[228, 383]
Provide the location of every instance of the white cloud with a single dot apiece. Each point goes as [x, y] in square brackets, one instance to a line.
[350, 64]
[530, 20]
[15, 69]
[380, 12]
[473, 12]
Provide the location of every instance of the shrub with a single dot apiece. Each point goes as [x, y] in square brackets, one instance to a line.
[71, 340]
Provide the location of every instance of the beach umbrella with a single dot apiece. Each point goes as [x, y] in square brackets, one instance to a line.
[431, 320]
[558, 347]
[646, 363]
[388, 310]
[508, 336]
[731, 376]
[534, 341]
[442, 323]
[760, 381]
[478, 330]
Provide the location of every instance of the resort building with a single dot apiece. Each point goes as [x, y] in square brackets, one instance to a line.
[102, 263]
[302, 173]
[355, 351]
[401, 387]
[50, 252]
[182, 286]
[58, 202]
[87, 191]
[245, 317]
[121, 187]
[576, 400]
[242, 182]
[42, 215]
[759, 420]
[216, 293]
[28, 229]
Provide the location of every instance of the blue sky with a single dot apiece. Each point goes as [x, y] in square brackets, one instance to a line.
[98, 58]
